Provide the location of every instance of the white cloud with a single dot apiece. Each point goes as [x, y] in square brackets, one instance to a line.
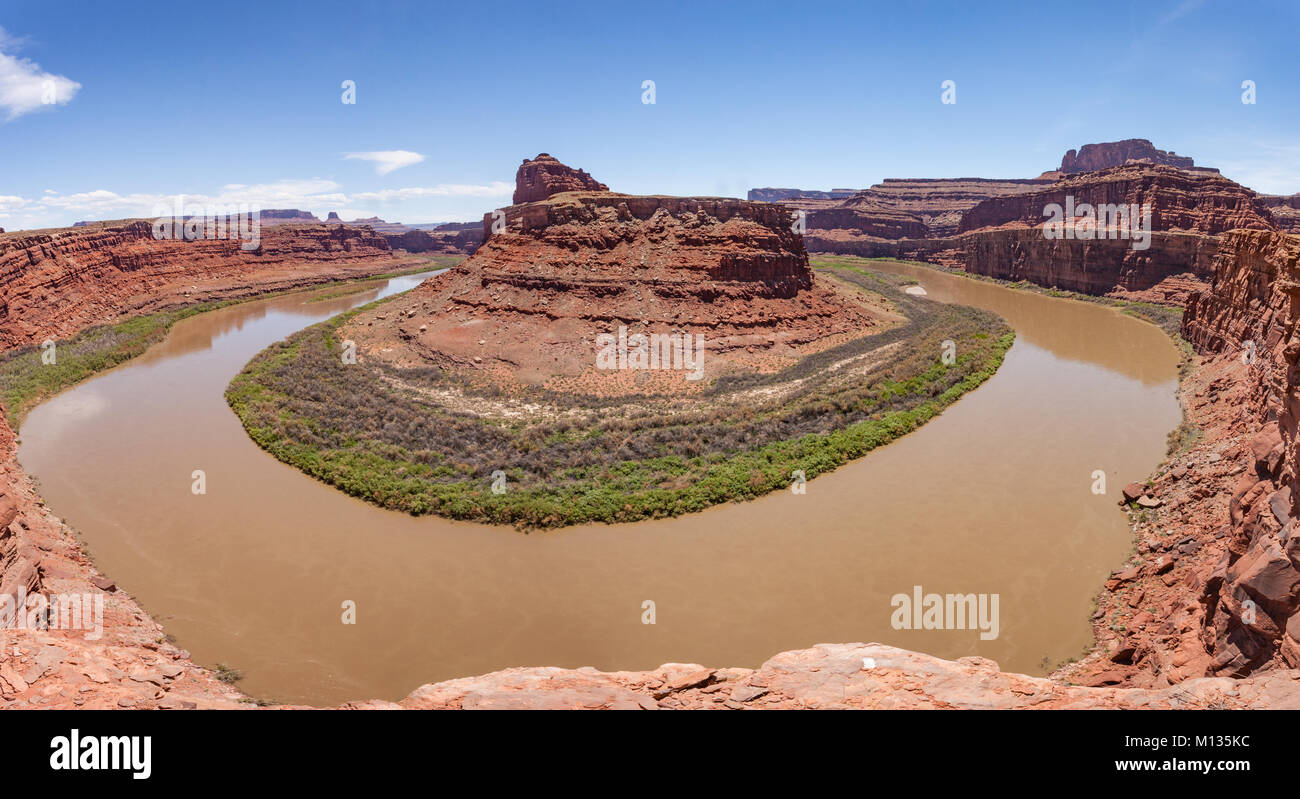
[25, 87]
[9, 204]
[104, 204]
[497, 188]
[386, 161]
[317, 195]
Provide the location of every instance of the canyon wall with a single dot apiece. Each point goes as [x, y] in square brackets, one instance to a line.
[444, 239]
[56, 282]
[771, 195]
[1174, 265]
[1003, 236]
[1253, 596]
[994, 227]
[939, 203]
[1285, 209]
[1092, 157]
[1179, 200]
[539, 178]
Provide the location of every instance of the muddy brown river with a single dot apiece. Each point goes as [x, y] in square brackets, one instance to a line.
[994, 496]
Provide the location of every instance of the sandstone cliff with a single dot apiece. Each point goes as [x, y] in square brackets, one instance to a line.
[55, 282]
[1174, 265]
[1180, 201]
[1003, 236]
[1285, 209]
[1092, 157]
[938, 203]
[569, 268]
[459, 238]
[544, 176]
[771, 195]
[1254, 593]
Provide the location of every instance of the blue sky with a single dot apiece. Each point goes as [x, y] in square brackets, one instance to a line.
[241, 101]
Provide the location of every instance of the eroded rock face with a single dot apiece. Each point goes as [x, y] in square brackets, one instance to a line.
[1003, 236]
[938, 203]
[543, 176]
[1182, 201]
[531, 302]
[1253, 595]
[1092, 157]
[994, 227]
[1175, 265]
[771, 195]
[1285, 209]
[55, 282]
[460, 239]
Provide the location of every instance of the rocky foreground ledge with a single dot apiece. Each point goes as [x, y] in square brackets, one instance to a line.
[828, 677]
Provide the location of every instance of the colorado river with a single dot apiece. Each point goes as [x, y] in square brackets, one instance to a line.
[993, 496]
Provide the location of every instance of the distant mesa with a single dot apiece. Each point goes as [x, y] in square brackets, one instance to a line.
[771, 195]
[1095, 157]
[994, 226]
[278, 215]
[334, 217]
[544, 176]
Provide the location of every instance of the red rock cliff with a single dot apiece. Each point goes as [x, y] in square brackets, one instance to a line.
[566, 269]
[55, 282]
[544, 176]
[1092, 157]
[1253, 597]
[1180, 201]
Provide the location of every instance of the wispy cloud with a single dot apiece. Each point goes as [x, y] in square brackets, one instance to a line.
[496, 188]
[53, 208]
[1181, 10]
[25, 87]
[386, 161]
[105, 204]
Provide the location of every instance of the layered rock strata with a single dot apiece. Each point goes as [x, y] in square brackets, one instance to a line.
[56, 282]
[1004, 237]
[450, 238]
[1093, 157]
[543, 176]
[561, 271]
[1253, 594]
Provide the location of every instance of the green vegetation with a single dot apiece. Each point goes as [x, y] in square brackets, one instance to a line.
[26, 380]
[355, 427]
[227, 674]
